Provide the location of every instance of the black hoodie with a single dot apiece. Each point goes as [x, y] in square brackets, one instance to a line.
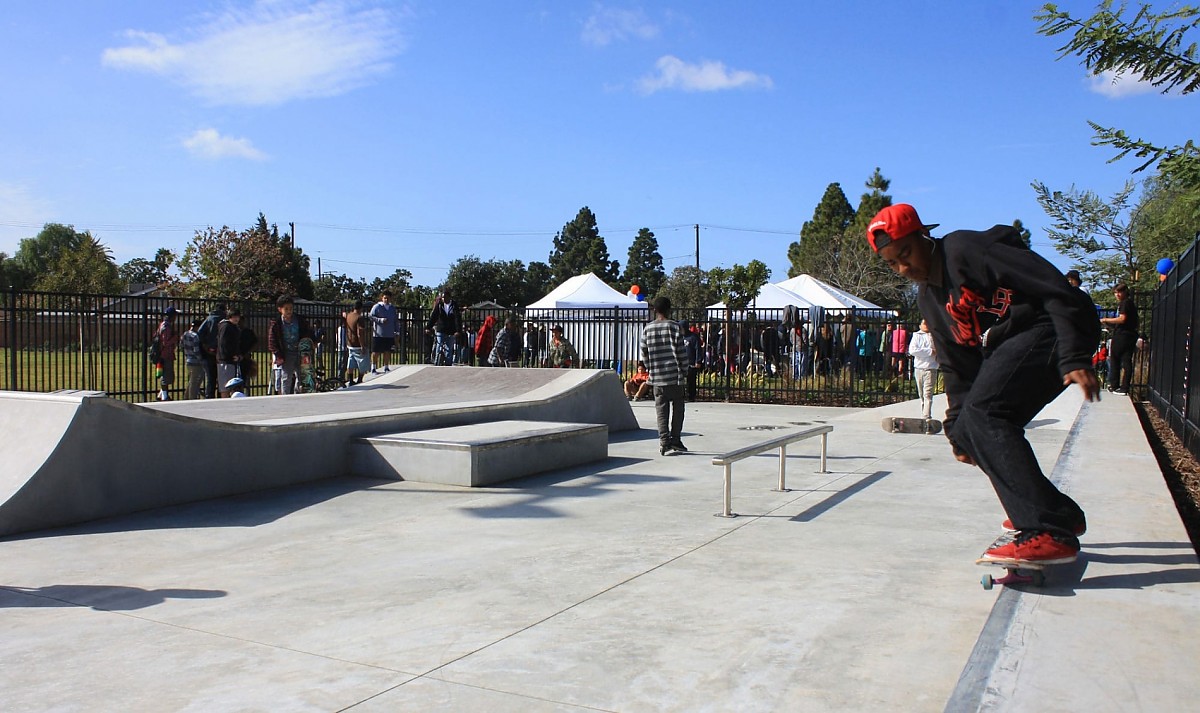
[984, 286]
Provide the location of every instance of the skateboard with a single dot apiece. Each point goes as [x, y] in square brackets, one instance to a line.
[895, 424]
[306, 384]
[1018, 572]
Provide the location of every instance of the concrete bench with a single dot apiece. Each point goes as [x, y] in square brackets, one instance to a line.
[479, 454]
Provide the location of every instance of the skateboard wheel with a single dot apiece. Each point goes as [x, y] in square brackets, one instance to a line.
[1038, 578]
[987, 581]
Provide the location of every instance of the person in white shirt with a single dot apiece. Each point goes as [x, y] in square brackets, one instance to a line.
[925, 367]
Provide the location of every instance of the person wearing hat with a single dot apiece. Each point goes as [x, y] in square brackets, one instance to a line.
[666, 359]
[1011, 334]
[168, 340]
[562, 352]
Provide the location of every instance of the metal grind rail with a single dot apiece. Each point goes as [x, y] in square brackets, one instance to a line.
[781, 442]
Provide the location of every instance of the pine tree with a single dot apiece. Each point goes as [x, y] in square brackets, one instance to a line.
[816, 253]
[860, 271]
[580, 249]
[644, 267]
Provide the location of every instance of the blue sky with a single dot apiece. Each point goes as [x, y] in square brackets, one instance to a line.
[411, 134]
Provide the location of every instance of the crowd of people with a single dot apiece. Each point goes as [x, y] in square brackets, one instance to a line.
[218, 348]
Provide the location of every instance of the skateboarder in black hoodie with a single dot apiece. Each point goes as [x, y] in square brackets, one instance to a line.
[1011, 333]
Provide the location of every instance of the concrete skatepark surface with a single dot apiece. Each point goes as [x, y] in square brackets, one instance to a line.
[613, 587]
[70, 458]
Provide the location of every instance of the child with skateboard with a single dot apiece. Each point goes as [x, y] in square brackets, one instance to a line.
[1011, 333]
[283, 341]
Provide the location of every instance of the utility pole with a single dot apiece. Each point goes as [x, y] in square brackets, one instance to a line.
[697, 246]
[292, 240]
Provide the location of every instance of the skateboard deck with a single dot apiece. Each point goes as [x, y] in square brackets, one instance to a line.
[895, 424]
[306, 383]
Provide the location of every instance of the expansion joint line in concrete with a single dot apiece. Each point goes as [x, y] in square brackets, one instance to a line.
[430, 674]
[988, 679]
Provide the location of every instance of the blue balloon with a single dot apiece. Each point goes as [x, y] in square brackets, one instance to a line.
[1164, 266]
[641, 297]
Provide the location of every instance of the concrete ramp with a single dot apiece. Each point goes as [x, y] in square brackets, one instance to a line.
[73, 457]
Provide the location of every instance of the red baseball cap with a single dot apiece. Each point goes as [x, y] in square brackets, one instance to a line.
[893, 223]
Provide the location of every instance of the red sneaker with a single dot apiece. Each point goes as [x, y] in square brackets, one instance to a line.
[1039, 547]
[1079, 530]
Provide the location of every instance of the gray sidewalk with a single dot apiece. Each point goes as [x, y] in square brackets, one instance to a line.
[616, 588]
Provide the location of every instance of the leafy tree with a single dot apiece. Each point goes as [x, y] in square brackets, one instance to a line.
[36, 256]
[1165, 223]
[8, 272]
[294, 266]
[335, 287]
[738, 286]
[251, 264]
[861, 272]
[147, 272]
[817, 251]
[61, 259]
[87, 267]
[644, 267]
[404, 293]
[1150, 47]
[689, 290]
[1093, 232]
[579, 248]
[474, 281]
[538, 281]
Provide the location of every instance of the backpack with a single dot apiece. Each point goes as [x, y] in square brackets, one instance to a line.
[154, 352]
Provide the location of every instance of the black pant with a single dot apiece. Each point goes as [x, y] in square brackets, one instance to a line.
[1015, 381]
[691, 383]
[210, 370]
[668, 406]
[1120, 360]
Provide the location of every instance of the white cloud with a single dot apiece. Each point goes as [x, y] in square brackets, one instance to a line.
[673, 73]
[271, 52]
[607, 25]
[1115, 85]
[208, 143]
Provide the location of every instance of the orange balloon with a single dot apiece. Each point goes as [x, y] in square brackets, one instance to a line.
[635, 289]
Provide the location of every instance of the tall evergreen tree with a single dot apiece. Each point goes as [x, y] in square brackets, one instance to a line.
[579, 248]
[1026, 236]
[816, 253]
[860, 271]
[644, 267]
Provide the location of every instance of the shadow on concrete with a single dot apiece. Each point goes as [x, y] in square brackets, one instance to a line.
[370, 386]
[249, 510]
[1043, 422]
[1142, 580]
[97, 597]
[817, 509]
[541, 491]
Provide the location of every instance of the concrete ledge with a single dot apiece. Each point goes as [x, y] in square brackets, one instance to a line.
[479, 454]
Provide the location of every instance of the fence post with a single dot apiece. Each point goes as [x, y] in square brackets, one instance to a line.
[12, 337]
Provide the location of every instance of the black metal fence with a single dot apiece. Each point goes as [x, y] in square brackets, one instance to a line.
[1172, 387]
[54, 341]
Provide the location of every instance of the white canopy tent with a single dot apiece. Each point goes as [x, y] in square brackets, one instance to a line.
[772, 298]
[603, 324]
[823, 294]
[585, 292]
